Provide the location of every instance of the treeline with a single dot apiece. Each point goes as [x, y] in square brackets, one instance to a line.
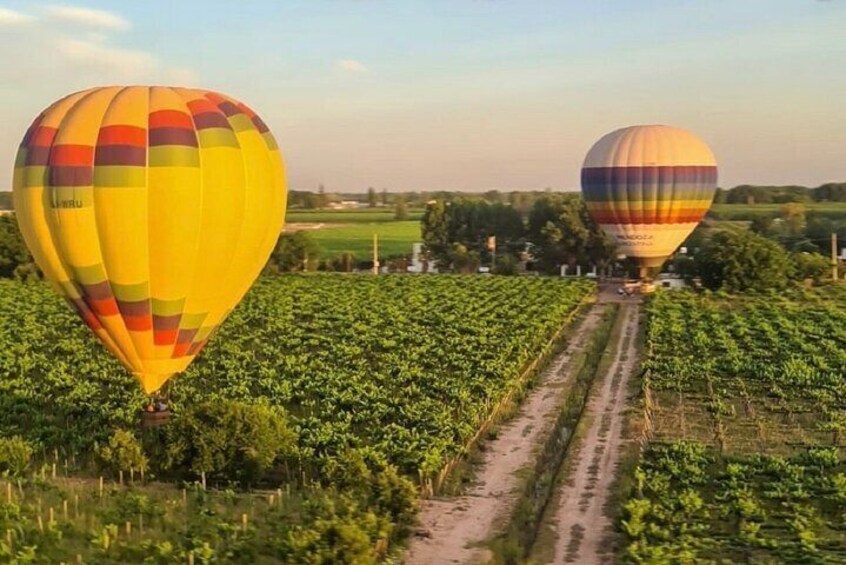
[772, 251]
[522, 201]
[557, 231]
[751, 194]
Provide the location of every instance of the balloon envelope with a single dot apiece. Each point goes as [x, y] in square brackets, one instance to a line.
[647, 187]
[152, 210]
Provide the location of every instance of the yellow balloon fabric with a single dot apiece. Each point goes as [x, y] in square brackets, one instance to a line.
[152, 210]
[648, 187]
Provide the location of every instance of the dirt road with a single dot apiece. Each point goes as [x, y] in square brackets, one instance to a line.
[455, 527]
[581, 526]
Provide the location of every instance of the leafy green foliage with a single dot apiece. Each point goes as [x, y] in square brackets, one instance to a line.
[294, 252]
[122, 452]
[562, 233]
[455, 233]
[13, 251]
[15, 454]
[740, 261]
[228, 440]
[382, 380]
[746, 399]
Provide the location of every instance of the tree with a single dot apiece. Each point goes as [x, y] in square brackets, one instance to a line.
[793, 216]
[435, 232]
[739, 261]
[400, 209]
[231, 441]
[763, 225]
[463, 260]
[384, 197]
[811, 266]
[561, 231]
[13, 251]
[293, 252]
[371, 197]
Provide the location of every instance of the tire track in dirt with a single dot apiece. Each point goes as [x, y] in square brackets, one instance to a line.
[454, 528]
[581, 525]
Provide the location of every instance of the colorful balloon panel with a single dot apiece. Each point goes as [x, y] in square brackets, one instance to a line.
[152, 210]
[648, 187]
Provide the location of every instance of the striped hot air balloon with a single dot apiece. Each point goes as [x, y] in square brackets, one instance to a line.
[648, 187]
[152, 210]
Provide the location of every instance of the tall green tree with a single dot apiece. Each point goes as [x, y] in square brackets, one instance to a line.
[294, 252]
[372, 199]
[562, 232]
[435, 231]
[400, 209]
[740, 261]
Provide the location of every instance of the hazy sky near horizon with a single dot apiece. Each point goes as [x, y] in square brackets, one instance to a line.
[462, 94]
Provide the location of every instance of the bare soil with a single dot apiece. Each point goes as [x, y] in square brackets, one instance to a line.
[581, 525]
[452, 530]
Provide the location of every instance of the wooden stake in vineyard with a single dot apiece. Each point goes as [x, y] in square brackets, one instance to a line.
[834, 256]
[375, 254]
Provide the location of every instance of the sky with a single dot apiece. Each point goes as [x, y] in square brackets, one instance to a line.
[461, 94]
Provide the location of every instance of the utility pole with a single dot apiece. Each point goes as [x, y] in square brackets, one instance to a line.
[375, 254]
[834, 256]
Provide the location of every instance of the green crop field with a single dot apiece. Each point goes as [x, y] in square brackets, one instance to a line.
[383, 381]
[747, 400]
[395, 238]
[833, 210]
[353, 216]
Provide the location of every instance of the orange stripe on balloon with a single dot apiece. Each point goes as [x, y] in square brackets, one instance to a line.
[138, 323]
[122, 135]
[170, 119]
[201, 105]
[164, 337]
[72, 155]
[43, 136]
[623, 217]
[103, 306]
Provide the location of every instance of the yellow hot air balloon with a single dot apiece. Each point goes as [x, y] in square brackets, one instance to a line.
[152, 210]
[647, 187]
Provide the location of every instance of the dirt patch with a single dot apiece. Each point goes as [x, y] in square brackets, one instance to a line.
[580, 522]
[451, 530]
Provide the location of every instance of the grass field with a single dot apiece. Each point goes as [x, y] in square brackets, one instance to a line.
[354, 216]
[834, 210]
[395, 238]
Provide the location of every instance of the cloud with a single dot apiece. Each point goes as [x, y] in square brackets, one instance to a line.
[74, 47]
[351, 66]
[98, 55]
[88, 17]
[11, 17]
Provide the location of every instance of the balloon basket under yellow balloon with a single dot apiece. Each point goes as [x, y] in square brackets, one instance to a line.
[154, 419]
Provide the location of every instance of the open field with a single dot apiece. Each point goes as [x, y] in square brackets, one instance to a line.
[352, 216]
[395, 238]
[394, 372]
[747, 404]
[833, 210]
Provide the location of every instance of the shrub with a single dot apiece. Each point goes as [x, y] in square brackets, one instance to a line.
[122, 453]
[15, 454]
[230, 441]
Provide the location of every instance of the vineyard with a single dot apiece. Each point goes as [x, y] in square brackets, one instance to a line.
[381, 383]
[746, 398]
